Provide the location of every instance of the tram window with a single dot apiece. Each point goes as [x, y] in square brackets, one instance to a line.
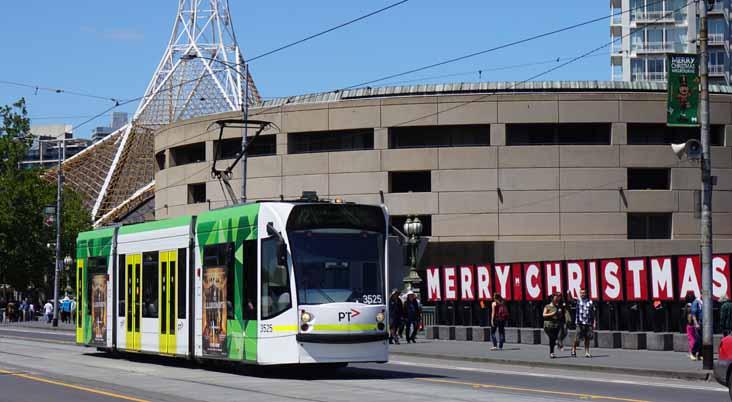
[150, 285]
[121, 282]
[182, 276]
[275, 281]
[249, 290]
[221, 256]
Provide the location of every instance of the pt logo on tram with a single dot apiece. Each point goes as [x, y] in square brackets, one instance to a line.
[343, 315]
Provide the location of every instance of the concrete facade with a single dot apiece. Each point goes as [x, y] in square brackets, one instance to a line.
[534, 202]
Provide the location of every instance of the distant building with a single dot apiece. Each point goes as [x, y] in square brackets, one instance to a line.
[644, 32]
[45, 150]
[118, 120]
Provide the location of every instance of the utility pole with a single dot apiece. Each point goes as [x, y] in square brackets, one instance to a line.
[59, 203]
[706, 194]
[245, 114]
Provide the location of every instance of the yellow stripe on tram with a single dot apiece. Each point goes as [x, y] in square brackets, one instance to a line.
[282, 328]
[345, 327]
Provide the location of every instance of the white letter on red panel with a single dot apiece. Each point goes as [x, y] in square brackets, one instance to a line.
[662, 284]
[689, 276]
[594, 284]
[450, 292]
[532, 281]
[575, 277]
[720, 275]
[636, 283]
[611, 280]
[553, 275]
[466, 283]
[503, 272]
[483, 272]
[433, 284]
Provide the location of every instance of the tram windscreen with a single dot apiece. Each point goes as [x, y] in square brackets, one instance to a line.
[338, 265]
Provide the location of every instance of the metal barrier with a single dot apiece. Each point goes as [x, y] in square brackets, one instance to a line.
[429, 315]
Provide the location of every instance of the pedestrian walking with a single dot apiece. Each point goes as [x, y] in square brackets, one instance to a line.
[564, 321]
[396, 311]
[24, 310]
[586, 323]
[552, 314]
[65, 309]
[48, 311]
[499, 317]
[414, 316]
[690, 330]
[73, 310]
[696, 316]
[725, 316]
[31, 311]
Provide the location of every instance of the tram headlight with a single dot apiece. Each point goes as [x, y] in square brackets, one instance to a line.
[306, 317]
[380, 316]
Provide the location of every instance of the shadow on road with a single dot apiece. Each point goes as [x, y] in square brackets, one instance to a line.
[293, 372]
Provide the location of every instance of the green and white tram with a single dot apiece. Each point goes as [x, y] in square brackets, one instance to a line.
[261, 283]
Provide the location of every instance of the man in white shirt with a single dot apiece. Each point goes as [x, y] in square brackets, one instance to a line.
[48, 311]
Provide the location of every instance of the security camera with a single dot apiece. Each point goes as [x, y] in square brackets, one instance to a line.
[692, 149]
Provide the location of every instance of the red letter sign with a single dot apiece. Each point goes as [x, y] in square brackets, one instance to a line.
[689, 276]
[636, 283]
[450, 292]
[575, 277]
[503, 272]
[483, 272]
[532, 280]
[611, 290]
[466, 283]
[518, 291]
[553, 276]
[720, 276]
[433, 284]
[594, 290]
[662, 284]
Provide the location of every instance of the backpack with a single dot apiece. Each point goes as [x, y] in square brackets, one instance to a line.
[501, 312]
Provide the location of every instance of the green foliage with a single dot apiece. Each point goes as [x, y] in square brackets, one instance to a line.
[24, 253]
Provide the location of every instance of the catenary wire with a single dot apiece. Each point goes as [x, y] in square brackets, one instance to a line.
[297, 42]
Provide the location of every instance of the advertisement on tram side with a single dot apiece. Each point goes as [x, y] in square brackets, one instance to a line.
[99, 309]
[214, 311]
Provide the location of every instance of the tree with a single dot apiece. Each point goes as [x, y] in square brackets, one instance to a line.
[26, 245]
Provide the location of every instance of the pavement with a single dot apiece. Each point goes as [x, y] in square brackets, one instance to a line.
[40, 324]
[666, 364]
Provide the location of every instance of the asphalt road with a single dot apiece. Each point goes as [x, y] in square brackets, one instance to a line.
[46, 366]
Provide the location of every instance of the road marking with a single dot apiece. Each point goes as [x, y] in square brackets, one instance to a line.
[73, 386]
[533, 390]
[687, 386]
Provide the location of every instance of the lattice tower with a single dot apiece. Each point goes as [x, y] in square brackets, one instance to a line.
[117, 174]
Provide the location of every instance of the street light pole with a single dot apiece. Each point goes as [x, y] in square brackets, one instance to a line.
[245, 114]
[706, 194]
[413, 229]
[59, 204]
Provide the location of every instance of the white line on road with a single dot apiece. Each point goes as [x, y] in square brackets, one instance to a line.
[686, 386]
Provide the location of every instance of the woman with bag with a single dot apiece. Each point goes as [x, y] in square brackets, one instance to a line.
[564, 321]
[552, 315]
[499, 318]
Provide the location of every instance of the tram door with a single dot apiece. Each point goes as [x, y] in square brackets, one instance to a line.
[80, 300]
[133, 313]
[168, 300]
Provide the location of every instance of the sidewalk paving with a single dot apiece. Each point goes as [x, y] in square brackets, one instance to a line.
[666, 364]
[39, 325]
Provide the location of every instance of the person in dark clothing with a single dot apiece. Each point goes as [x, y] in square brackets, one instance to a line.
[552, 314]
[414, 316]
[499, 317]
[725, 316]
[396, 311]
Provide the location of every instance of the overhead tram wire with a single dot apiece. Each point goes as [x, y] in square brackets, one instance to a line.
[363, 17]
[59, 91]
[500, 47]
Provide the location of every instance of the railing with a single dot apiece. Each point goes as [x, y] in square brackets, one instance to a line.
[653, 16]
[716, 69]
[716, 38]
[652, 47]
[652, 76]
[429, 315]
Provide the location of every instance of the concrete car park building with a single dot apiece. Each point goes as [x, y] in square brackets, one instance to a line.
[550, 172]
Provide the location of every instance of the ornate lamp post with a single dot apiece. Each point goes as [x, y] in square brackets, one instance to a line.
[413, 229]
[67, 264]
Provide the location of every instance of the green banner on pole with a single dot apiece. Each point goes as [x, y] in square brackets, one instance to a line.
[682, 108]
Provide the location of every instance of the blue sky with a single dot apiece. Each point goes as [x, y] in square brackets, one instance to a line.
[111, 48]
